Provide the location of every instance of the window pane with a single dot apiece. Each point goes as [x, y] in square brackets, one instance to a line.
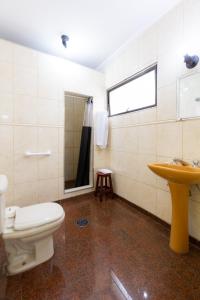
[135, 94]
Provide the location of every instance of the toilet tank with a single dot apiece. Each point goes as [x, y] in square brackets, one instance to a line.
[3, 189]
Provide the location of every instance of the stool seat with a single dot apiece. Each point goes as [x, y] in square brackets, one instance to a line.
[103, 183]
[104, 171]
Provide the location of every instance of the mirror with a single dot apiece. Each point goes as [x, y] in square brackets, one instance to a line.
[77, 149]
[189, 96]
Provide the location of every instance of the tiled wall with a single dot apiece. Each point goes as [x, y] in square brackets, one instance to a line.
[74, 114]
[154, 134]
[32, 86]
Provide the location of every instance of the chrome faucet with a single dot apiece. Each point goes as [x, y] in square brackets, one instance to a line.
[180, 161]
[196, 163]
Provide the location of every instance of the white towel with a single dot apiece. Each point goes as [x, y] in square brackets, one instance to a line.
[101, 131]
[104, 171]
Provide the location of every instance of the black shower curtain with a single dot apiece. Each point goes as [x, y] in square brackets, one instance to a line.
[83, 170]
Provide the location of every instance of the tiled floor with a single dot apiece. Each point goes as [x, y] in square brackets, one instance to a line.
[122, 254]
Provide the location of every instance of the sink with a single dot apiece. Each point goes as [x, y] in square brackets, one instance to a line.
[177, 173]
[179, 178]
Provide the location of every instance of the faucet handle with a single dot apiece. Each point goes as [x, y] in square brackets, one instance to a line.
[196, 163]
[177, 161]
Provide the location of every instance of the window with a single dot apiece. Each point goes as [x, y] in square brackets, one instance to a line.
[136, 92]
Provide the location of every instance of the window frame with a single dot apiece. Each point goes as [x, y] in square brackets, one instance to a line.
[129, 79]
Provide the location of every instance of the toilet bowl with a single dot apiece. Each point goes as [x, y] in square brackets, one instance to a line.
[28, 232]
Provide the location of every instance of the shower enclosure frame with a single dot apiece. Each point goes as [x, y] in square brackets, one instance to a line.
[91, 174]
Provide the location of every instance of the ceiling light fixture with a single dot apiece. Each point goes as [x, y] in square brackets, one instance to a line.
[64, 39]
[191, 61]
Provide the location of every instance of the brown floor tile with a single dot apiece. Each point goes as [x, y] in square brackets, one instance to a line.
[121, 254]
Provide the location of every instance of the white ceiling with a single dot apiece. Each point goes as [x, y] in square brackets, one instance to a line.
[96, 27]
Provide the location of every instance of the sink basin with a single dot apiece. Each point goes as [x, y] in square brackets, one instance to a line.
[177, 173]
[179, 179]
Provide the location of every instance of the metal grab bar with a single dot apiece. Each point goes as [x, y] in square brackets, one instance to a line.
[29, 153]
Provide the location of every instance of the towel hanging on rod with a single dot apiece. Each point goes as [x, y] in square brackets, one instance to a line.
[101, 130]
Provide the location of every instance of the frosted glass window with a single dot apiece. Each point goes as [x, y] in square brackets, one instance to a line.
[135, 93]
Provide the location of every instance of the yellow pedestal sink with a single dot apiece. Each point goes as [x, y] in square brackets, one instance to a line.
[179, 178]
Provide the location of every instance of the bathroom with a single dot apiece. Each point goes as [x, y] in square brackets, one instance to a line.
[115, 246]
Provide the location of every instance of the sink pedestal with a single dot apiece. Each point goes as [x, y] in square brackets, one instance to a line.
[179, 237]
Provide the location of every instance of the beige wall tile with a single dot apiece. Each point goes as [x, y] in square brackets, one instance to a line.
[76, 139]
[47, 112]
[61, 140]
[147, 115]
[7, 164]
[25, 57]
[61, 164]
[61, 193]
[25, 194]
[6, 77]
[48, 86]
[167, 104]
[69, 171]
[117, 139]
[147, 198]
[144, 175]
[61, 113]
[119, 184]
[6, 108]
[191, 140]
[9, 196]
[101, 159]
[25, 139]
[115, 161]
[133, 191]
[48, 190]
[191, 24]
[169, 139]
[130, 139]
[164, 206]
[170, 30]
[148, 47]
[6, 134]
[25, 81]
[69, 154]
[194, 219]
[129, 119]
[169, 68]
[6, 50]
[126, 163]
[48, 139]
[25, 169]
[48, 167]
[147, 139]
[25, 109]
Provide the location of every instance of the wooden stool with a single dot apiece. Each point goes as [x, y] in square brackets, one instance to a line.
[102, 187]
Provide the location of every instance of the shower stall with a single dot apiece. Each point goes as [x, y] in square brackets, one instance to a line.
[78, 159]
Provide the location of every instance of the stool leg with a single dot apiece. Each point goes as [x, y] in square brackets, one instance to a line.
[97, 186]
[101, 188]
[111, 187]
[106, 183]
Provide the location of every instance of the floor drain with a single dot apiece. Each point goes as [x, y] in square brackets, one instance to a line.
[82, 222]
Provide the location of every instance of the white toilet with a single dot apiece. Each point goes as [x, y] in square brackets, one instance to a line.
[28, 232]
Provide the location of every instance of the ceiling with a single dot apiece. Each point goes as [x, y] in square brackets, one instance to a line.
[96, 28]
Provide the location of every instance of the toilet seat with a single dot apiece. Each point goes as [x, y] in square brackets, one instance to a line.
[37, 215]
[34, 219]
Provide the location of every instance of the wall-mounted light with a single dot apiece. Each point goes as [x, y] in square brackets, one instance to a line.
[64, 39]
[191, 61]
